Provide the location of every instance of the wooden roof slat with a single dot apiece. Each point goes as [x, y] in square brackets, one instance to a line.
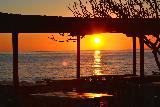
[54, 24]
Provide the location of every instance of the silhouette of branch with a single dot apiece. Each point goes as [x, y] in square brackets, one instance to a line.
[123, 9]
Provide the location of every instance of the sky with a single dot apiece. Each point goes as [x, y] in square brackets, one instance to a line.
[40, 42]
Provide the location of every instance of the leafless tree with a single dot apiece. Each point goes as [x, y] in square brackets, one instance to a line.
[122, 9]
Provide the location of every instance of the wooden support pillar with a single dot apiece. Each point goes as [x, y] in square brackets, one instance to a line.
[15, 59]
[134, 55]
[78, 56]
[141, 40]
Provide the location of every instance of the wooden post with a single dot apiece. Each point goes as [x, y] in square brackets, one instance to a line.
[134, 55]
[141, 40]
[15, 59]
[78, 56]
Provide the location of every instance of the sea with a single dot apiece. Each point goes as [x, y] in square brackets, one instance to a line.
[61, 65]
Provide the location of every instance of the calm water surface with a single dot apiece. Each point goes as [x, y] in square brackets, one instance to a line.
[35, 66]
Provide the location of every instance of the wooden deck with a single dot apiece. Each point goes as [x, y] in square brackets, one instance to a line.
[122, 91]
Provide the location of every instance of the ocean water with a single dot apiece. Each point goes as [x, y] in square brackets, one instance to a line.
[34, 66]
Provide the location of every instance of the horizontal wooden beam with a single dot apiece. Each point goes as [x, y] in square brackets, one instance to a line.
[55, 24]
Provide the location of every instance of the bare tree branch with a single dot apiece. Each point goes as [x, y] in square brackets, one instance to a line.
[123, 9]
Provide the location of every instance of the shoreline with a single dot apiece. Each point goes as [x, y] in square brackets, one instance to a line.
[126, 90]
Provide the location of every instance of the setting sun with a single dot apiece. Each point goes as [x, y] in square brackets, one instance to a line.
[97, 40]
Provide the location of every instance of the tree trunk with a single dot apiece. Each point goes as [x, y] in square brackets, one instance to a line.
[156, 59]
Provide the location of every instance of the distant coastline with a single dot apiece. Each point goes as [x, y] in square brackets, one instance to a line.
[68, 51]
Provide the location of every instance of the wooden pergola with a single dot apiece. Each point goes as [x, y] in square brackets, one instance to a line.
[15, 23]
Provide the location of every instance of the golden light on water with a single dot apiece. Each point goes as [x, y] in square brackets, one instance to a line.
[97, 72]
[75, 94]
[64, 63]
[94, 95]
[97, 52]
[97, 63]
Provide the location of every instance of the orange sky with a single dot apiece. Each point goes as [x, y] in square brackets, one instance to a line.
[40, 42]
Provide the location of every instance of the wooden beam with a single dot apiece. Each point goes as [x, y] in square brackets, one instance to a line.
[78, 56]
[141, 40]
[15, 59]
[134, 55]
[55, 24]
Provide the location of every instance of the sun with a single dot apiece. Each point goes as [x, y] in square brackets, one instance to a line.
[97, 40]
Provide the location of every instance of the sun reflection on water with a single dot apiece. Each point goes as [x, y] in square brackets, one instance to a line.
[65, 63]
[93, 95]
[75, 94]
[97, 63]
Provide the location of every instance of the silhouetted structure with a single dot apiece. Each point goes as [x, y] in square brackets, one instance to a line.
[14, 23]
[56, 24]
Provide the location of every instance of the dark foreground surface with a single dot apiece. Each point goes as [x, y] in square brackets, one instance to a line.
[95, 91]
